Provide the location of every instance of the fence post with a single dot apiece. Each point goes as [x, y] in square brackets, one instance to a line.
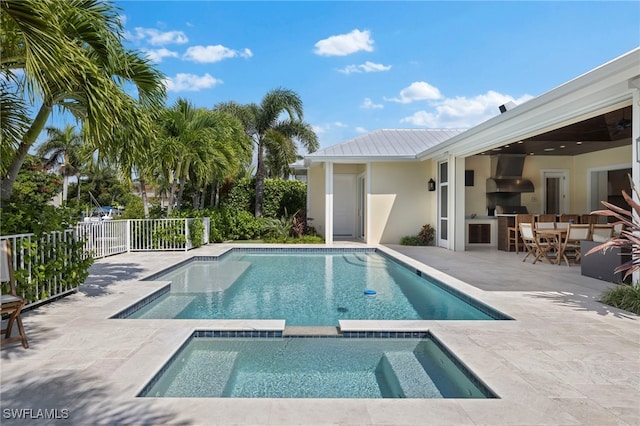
[128, 238]
[186, 235]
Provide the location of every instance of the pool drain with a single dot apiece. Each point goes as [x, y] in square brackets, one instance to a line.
[342, 310]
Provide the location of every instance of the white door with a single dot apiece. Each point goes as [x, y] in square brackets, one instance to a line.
[443, 204]
[344, 205]
[555, 195]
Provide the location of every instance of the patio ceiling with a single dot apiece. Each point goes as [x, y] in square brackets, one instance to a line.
[610, 130]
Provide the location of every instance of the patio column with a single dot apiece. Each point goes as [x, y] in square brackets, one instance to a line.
[635, 141]
[328, 202]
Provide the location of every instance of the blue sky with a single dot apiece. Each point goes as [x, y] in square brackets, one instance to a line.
[365, 65]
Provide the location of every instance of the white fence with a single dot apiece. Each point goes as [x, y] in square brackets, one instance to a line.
[109, 237]
[29, 255]
[41, 263]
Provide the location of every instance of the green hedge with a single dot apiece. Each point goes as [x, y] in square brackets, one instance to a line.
[281, 197]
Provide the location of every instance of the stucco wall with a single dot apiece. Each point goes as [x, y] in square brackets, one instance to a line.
[476, 195]
[315, 197]
[400, 202]
[582, 164]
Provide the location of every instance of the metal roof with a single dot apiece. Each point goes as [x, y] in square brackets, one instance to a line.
[387, 144]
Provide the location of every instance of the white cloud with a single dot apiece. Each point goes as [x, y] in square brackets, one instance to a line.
[159, 38]
[345, 44]
[368, 104]
[217, 53]
[190, 82]
[339, 124]
[157, 55]
[366, 67]
[462, 112]
[319, 129]
[122, 19]
[417, 91]
[361, 129]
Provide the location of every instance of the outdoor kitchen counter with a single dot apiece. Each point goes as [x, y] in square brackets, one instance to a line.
[481, 230]
[504, 222]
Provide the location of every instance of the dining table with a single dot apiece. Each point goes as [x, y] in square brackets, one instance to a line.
[554, 238]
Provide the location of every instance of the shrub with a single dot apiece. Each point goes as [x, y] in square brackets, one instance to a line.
[280, 196]
[424, 238]
[410, 240]
[426, 235]
[196, 232]
[624, 296]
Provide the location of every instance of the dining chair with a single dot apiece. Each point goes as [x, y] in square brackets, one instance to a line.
[571, 218]
[571, 244]
[545, 225]
[12, 304]
[590, 219]
[513, 232]
[547, 218]
[601, 232]
[534, 246]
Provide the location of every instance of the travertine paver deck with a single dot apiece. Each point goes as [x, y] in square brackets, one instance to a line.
[566, 359]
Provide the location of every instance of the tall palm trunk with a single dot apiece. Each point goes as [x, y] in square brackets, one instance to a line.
[259, 181]
[65, 187]
[143, 195]
[78, 194]
[6, 187]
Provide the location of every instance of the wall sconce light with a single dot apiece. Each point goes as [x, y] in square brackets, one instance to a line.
[432, 185]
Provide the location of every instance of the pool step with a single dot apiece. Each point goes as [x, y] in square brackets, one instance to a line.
[310, 331]
[413, 380]
[303, 384]
[210, 277]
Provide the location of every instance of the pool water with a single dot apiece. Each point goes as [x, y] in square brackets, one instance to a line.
[305, 289]
[314, 368]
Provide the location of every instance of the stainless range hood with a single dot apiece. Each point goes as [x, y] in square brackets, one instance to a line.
[507, 175]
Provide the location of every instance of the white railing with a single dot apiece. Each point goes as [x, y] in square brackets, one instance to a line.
[109, 237]
[42, 265]
[29, 257]
[104, 238]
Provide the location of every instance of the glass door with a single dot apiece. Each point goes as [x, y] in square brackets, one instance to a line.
[443, 204]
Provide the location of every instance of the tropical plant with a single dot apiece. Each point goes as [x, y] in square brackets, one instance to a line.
[629, 238]
[62, 151]
[197, 145]
[426, 235]
[70, 55]
[410, 240]
[276, 126]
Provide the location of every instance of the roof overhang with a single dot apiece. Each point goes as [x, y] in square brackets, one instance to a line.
[308, 161]
[603, 89]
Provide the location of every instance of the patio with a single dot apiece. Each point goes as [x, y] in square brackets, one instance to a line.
[566, 359]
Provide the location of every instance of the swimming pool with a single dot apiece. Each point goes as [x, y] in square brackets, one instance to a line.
[305, 288]
[314, 368]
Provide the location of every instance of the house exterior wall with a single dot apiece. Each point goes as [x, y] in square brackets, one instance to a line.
[315, 197]
[399, 201]
[582, 164]
[476, 195]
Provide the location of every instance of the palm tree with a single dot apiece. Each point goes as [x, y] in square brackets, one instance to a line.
[198, 145]
[70, 55]
[63, 151]
[274, 126]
